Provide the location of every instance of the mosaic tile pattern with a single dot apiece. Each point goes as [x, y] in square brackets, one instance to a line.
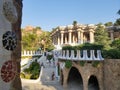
[9, 11]
[8, 71]
[9, 40]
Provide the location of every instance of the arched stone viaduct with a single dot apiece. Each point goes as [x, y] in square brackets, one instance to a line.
[107, 73]
[85, 71]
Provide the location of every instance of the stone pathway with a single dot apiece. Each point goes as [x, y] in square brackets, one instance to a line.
[46, 82]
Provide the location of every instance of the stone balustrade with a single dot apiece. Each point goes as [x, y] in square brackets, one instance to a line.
[31, 53]
[80, 55]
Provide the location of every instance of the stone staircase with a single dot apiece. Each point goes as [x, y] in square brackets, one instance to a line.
[47, 74]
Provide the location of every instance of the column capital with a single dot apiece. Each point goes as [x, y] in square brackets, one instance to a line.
[80, 30]
[70, 30]
[91, 30]
[62, 32]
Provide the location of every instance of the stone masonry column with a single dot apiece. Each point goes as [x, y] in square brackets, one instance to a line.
[70, 36]
[55, 39]
[91, 36]
[73, 38]
[65, 38]
[78, 35]
[62, 38]
[58, 40]
[85, 83]
[65, 82]
[81, 37]
[65, 76]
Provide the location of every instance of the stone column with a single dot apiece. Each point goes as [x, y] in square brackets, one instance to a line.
[58, 39]
[65, 78]
[55, 39]
[81, 37]
[111, 35]
[78, 35]
[91, 36]
[73, 38]
[70, 36]
[62, 38]
[65, 38]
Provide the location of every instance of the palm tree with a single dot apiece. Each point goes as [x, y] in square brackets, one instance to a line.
[74, 23]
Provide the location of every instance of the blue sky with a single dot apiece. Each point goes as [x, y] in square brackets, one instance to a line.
[49, 14]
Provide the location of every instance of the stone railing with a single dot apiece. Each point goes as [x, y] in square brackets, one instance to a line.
[84, 55]
[31, 53]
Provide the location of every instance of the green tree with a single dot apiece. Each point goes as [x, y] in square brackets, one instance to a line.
[38, 28]
[117, 22]
[45, 41]
[101, 36]
[116, 44]
[118, 12]
[108, 24]
[74, 23]
[30, 41]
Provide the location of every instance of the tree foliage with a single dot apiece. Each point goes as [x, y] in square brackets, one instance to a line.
[118, 12]
[101, 36]
[31, 40]
[109, 24]
[33, 70]
[117, 22]
[45, 41]
[116, 44]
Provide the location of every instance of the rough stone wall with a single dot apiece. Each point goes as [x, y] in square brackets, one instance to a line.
[107, 74]
[112, 74]
[86, 71]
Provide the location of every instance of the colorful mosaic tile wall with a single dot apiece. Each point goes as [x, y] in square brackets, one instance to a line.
[8, 42]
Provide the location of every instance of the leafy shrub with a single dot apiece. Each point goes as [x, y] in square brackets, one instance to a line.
[82, 63]
[116, 44]
[68, 47]
[68, 64]
[89, 46]
[95, 63]
[111, 54]
[86, 46]
[27, 76]
[22, 75]
[34, 76]
[33, 71]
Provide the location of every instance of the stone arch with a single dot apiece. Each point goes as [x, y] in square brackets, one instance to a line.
[75, 79]
[93, 83]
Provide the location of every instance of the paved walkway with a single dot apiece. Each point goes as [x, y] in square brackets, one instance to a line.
[46, 82]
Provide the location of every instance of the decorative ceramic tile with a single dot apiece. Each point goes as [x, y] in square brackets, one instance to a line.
[9, 40]
[9, 11]
[8, 71]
